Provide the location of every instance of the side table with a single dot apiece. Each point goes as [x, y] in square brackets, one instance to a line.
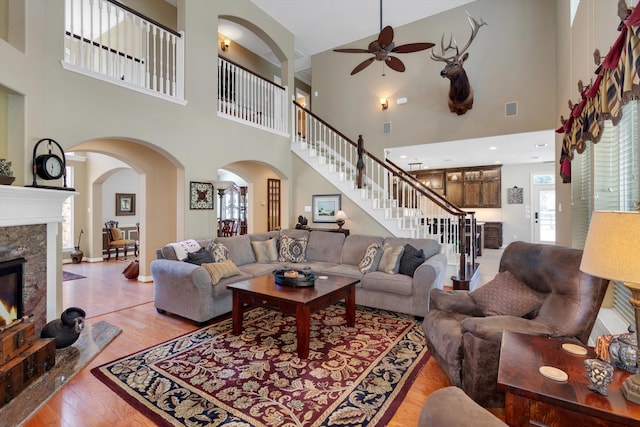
[531, 399]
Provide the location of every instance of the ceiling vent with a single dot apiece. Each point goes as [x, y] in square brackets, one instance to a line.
[386, 127]
[511, 109]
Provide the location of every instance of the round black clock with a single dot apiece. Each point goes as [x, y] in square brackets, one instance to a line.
[49, 166]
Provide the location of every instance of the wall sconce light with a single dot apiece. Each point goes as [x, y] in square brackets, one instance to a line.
[224, 45]
[384, 102]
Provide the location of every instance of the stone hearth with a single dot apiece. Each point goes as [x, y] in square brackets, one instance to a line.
[29, 223]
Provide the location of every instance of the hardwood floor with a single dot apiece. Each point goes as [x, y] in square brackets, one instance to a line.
[105, 294]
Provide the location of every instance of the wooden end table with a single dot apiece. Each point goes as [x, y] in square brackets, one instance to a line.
[531, 399]
[301, 302]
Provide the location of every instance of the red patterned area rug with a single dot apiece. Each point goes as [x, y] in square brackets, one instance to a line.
[353, 376]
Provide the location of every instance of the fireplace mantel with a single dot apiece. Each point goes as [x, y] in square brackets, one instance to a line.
[29, 205]
[32, 206]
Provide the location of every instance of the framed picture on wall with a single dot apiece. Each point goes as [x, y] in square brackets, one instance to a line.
[325, 207]
[125, 204]
[201, 195]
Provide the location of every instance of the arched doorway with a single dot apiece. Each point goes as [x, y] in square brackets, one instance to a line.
[160, 202]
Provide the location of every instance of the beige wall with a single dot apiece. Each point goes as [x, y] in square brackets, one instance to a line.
[510, 60]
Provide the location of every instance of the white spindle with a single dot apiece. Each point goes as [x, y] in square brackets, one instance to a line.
[146, 52]
[173, 65]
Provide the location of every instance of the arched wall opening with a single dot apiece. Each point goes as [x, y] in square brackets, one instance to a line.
[160, 203]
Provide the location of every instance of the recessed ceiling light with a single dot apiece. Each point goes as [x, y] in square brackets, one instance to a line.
[541, 145]
[493, 148]
[448, 160]
[404, 156]
[535, 157]
[497, 162]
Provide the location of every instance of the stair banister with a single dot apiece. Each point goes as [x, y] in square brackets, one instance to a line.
[405, 198]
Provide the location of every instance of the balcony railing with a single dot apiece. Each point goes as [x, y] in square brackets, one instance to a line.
[246, 97]
[110, 41]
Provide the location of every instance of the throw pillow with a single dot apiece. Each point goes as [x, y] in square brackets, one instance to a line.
[371, 258]
[411, 260]
[390, 261]
[265, 251]
[292, 250]
[200, 257]
[505, 294]
[219, 270]
[185, 247]
[219, 252]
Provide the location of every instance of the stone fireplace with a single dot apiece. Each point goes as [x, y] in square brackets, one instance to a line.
[29, 222]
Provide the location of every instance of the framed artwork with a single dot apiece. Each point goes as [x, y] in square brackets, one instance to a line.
[200, 195]
[514, 196]
[125, 204]
[325, 207]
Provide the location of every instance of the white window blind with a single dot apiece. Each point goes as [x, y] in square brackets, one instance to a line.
[615, 182]
[581, 196]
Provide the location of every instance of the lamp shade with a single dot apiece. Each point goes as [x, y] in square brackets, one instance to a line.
[341, 215]
[612, 249]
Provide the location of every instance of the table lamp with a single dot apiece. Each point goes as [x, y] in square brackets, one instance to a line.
[612, 251]
[340, 217]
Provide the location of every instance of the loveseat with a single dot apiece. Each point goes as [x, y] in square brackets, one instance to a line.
[188, 289]
[539, 290]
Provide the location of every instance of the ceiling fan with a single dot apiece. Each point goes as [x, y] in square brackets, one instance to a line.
[382, 47]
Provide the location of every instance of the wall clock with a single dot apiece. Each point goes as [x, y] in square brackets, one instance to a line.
[201, 195]
[49, 166]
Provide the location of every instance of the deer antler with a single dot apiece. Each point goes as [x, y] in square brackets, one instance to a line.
[444, 50]
[475, 27]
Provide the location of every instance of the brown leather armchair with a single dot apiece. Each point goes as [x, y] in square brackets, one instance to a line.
[466, 342]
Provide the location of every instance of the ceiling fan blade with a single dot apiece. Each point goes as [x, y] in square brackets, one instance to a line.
[395, 64]
[412, 47]
[364, 64]
[351, 50]
[386, 37]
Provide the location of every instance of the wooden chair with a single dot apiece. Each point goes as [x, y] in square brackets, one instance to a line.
[115, 240]
[228, 227]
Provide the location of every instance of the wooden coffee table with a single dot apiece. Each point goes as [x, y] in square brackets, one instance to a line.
[532, 399]
[301, 302]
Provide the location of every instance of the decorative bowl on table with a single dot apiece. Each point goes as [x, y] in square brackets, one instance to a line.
[599, 374]
[294, 278]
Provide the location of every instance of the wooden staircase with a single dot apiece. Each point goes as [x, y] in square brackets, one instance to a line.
[394, 198]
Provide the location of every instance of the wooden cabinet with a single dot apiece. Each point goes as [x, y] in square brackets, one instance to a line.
[472, 187]
[493, 235]
[477, 187]
[453, 189]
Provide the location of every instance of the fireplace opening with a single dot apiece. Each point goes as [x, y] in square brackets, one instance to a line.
[11, 283]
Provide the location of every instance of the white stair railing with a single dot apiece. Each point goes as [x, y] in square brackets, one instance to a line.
[108, 40]
[396, 199]
[246, 97]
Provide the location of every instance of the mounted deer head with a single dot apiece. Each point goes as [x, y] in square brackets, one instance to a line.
[460, 91]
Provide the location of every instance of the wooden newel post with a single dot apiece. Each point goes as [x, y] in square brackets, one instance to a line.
[360, 163]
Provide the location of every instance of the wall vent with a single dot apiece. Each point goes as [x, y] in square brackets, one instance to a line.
[511, 109]
[387, 127]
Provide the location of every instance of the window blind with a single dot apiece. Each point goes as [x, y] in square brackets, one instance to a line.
[615, 184]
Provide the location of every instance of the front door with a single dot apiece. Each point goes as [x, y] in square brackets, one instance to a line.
[544, 217]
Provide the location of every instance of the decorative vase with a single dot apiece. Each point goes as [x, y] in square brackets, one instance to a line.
[599, 374]
[7, 180]
[76, 255]
[65, 330]
[623, 352]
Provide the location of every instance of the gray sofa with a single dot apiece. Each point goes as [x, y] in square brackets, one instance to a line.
[186, 289]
